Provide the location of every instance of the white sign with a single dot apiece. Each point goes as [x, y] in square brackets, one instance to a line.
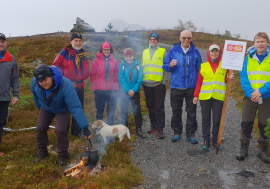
[233, 55]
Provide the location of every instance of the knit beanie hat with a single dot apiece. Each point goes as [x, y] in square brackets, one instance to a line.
[76, 35]
[42, 72]
[128, 51]
[2, 36]
[106, 46]
[154, 35]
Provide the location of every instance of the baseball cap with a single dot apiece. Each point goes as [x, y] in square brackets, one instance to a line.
[2, 36]
[42, 72]
[214, 46]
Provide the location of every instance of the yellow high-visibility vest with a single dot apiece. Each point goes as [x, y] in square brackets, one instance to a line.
[152, 69]
[258, 75]
[213, 84]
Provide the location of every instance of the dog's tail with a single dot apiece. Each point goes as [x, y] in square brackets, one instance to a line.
[128, 133]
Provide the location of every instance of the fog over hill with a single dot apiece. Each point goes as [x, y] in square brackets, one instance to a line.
[120, 25]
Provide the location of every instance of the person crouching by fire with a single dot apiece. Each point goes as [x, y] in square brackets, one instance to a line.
[74, 65]
[55, 96]
[130, 80]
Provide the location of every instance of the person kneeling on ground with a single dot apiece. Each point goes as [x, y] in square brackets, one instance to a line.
[55, 96]
[210, 89]
[130, 80]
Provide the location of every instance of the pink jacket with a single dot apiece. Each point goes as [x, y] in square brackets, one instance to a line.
[97, 74]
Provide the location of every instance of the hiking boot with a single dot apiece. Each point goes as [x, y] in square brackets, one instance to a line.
[39, 158]
[176, 138]
[243, 150]
[160, 134]
[263, 155]
[206, 145]
[2, 154]
[192, 140]
[152, 130]
[62, 161]
[140, 133]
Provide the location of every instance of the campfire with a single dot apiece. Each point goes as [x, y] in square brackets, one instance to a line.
[89, 161]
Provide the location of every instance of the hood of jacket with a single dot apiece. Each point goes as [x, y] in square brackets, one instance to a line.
[102, 57]
[252, 50]
[218, 59]
[57, 75]
[7, 57]
[177, 47]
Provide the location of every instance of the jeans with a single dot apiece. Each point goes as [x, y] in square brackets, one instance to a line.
[136, 106]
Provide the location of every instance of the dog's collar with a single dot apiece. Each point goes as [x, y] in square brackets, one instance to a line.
[100, 128]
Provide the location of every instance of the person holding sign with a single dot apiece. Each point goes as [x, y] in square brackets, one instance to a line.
[255, 81]
[210, 90]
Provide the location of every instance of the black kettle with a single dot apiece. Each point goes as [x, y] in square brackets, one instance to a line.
[90, 155]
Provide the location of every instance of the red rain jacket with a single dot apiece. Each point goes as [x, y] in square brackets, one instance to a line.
[75, 71]
[97, 74]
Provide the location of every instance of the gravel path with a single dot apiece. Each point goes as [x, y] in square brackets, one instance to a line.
[182, 165]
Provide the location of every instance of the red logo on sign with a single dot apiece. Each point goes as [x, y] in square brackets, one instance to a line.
[235, 48]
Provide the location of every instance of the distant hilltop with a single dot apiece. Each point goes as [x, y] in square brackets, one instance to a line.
[120, 25]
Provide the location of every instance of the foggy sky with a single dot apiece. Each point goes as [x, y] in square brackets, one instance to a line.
[29, 17]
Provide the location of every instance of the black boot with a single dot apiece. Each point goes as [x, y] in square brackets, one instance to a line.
[152, 130]
[140, 133]
[62, 161]
[243, 150]
[39, 158]
[160, 134]
[263, 154]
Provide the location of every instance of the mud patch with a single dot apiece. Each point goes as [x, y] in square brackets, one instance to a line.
[245, 174]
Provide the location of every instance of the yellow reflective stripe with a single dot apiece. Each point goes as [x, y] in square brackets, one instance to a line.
[220, 83]
[154, 73]
[207, 83]
[219, 91]
[258, 72]
[206, 91]
[258, 81]
[152, 65]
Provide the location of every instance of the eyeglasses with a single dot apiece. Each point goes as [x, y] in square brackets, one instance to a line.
[106, 49]
[152, 39]
[188, 38]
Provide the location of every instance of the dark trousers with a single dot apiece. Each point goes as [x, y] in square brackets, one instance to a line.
[75, 128]
[101, 98]
[155, 97]
[3, 116]
[44, 120]
[248, 116]
[177, 99]
[208, 106]
[136, 106]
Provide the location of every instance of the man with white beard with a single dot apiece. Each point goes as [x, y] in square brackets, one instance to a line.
[74, 64]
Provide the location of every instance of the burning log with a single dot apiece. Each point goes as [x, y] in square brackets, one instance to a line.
[75, 169]
[74, 173]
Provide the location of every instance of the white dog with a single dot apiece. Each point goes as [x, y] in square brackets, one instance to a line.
[111, 131]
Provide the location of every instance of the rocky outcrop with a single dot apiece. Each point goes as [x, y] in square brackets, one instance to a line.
[82, 26]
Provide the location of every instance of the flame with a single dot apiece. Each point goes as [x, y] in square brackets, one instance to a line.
[83, 162]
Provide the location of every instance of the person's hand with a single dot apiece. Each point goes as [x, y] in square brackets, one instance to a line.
[231, 76]
[172, 64]
[89, 136]
[15, 101]
[254, 99]
[131, 93]
[195, 100]
[256, 94]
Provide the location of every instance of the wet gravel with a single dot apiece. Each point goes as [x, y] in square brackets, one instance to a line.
[182, 165]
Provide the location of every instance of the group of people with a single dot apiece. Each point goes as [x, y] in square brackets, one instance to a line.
[58, 90]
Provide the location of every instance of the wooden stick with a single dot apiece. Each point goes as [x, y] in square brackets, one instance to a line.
[223, 115]
[73, 167]
[74, 173]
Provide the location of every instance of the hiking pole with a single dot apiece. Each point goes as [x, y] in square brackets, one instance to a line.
[223, 115]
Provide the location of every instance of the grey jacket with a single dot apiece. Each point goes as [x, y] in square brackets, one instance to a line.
[9, 77]
[166, 75]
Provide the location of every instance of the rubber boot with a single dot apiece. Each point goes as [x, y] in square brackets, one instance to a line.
[263, 154]
[140, 133]
[243, 150]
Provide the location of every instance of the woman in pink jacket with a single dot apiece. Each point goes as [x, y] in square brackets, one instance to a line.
[104, 81]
